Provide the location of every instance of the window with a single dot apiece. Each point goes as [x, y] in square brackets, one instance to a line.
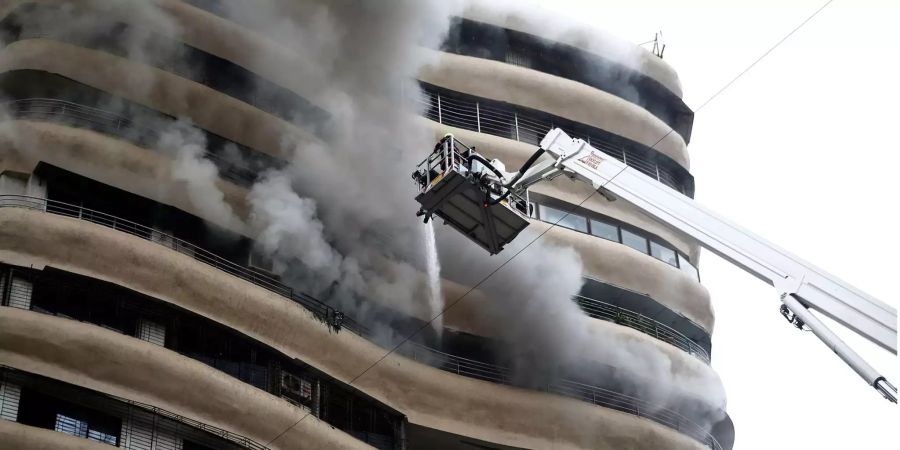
[100, 436]
[634, 241]
[688, 268]
[663, 254]
[80, 428]
[605, 230]
[70, 426]
[572, 221]
[152, 332]
[259, 260]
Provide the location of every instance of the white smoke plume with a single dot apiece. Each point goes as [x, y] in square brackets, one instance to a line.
[187, 145]
[339, 220]
[289, 231]
[353, 233]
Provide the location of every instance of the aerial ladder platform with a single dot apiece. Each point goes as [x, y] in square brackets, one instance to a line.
[490, 206]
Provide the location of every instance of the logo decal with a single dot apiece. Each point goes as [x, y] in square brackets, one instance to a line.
[592, 160]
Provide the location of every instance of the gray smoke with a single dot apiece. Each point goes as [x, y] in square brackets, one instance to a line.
[198, 175]
[338, 221]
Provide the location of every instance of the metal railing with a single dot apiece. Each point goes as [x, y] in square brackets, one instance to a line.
[134, 415]
[591, 394]
[505, 120]
[335, 319]
[637, 321]
[96, 119]
[330, 316]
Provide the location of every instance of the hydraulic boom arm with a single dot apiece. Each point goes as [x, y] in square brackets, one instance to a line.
[802, 286]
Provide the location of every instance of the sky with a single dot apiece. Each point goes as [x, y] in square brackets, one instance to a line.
[804, 150]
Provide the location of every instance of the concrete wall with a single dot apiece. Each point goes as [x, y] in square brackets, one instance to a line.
[112, 161]
[428, 396]
[15, 436]
[215, 35]
[103, 360]
[545, 24]
[147, 173]
[159, 90]
[559, 96]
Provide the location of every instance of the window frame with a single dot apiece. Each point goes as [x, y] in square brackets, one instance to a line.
[540, 201]
[674, 253]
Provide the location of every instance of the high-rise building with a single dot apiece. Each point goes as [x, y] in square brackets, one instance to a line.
[147, 301]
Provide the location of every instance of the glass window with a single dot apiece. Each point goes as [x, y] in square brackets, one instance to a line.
[634, 241]
[560, 218]
[605, 230]
[100, 436]
[688, 268]
[663, 254]
[80, 428]
[71, 426]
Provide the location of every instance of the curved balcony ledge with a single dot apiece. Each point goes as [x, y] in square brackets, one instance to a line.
[95, 155]
[466, 406]
[587, 39]
[156, 89]
[620, 265]
[219, 37]
[554, 95]
[130, 367]
[111, 161]
[460, 318]
[106, 361]
[17, 436]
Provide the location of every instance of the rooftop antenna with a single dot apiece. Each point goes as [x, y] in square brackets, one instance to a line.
[659, 44]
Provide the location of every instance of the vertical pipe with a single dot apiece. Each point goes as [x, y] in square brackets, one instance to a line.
[516, 119]
[440, 119]
[478, 116]
[401, 430]
[317, 400]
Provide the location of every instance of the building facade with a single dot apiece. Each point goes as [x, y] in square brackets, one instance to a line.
[134, 316]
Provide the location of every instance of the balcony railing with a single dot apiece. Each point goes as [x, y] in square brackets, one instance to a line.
[54, 110]
[335, 319]
[330, 316]
[131, 411]
[584, 392]
[621, 316]
[505, 120]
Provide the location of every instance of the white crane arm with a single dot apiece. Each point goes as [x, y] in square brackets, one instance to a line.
[802, 285]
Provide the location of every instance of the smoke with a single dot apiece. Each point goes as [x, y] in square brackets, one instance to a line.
[339, 222]
[198, 175]
[530, 302]
[290, 231]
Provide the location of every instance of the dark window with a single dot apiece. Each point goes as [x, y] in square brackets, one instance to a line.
[688, 268]
[51, 412]
[605, 230]
[81, 428]
[188, 445]
[663, 254]
[634, 241]
[572, 221]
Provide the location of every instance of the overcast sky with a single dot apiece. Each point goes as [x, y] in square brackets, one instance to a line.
[804, 150]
